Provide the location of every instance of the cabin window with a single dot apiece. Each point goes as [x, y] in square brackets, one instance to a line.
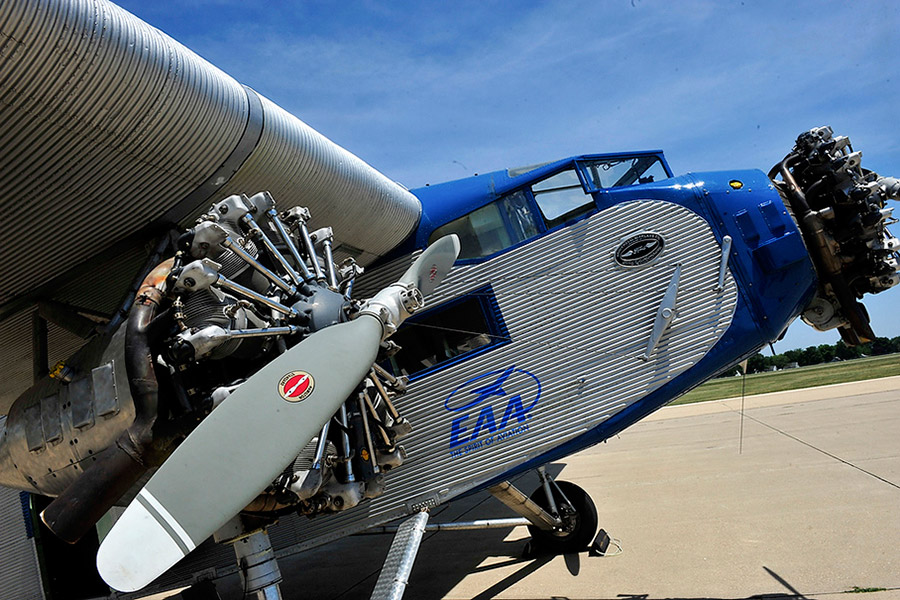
[562, 198]
[448, 333]
[619, 172]
[492, 228]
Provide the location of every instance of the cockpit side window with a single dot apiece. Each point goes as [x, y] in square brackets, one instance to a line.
[492, 228]
[526, 213]
[561, 198]
[520, 216]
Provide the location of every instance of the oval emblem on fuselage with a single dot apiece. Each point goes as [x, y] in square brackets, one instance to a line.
[639, 249]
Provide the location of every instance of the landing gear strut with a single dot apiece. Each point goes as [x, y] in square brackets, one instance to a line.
[562, 516]
[259, 569]
[260, 575]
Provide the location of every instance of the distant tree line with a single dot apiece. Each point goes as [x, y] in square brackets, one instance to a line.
[823, 353]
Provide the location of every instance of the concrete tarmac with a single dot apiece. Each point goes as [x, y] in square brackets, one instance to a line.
[805, 504]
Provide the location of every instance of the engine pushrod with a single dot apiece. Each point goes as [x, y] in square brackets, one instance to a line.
[291, 246]
[230, 244]
[270, 247]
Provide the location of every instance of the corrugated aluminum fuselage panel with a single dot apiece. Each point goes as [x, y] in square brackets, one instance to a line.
[577, 324]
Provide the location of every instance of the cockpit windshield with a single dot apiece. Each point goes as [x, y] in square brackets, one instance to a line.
[544, 202]
[617, 172]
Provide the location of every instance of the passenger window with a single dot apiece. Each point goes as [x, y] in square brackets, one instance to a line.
[448, 333]
[491, 228]
[618, 172]
[561, 198]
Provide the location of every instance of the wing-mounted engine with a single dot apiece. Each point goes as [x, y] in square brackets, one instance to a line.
[842, 211]
[246, 285]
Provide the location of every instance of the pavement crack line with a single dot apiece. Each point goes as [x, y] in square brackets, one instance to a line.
[816, 448]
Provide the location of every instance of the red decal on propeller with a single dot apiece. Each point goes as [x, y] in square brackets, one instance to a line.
[296, 386]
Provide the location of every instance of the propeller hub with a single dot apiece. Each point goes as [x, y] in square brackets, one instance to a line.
[393, 305]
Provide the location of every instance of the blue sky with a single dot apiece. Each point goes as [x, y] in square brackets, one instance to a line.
[432, 91]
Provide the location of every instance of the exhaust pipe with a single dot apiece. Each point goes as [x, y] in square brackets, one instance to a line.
[120, 466]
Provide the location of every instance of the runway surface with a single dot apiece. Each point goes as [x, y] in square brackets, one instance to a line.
[806, 505]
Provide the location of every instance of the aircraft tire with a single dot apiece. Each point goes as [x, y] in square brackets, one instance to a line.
[582, 521]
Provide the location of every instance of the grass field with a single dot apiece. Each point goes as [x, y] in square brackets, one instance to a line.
[792, 379]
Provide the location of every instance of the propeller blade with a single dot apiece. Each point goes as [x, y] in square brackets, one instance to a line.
[238, 450]
[433, 264]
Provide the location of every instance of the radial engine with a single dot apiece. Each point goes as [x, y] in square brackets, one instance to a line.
[841, 209]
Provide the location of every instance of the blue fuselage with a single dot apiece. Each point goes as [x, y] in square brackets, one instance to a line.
[768, 261]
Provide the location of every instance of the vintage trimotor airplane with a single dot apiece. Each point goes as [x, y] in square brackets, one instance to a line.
[227, 373]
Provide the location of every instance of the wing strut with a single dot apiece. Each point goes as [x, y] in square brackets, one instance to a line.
[399, 562]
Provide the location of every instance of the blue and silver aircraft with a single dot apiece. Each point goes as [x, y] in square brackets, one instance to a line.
[227, 359]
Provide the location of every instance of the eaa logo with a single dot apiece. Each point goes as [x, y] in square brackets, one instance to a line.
[490, 408]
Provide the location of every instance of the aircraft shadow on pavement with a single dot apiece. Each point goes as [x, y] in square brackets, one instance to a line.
[793, 594]
[348, 568]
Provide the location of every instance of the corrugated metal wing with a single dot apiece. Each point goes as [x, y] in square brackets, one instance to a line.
[108, 126]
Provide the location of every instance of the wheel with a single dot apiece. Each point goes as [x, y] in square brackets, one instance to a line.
[579, 520]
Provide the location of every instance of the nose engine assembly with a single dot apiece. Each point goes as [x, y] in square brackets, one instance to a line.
[841, 209]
